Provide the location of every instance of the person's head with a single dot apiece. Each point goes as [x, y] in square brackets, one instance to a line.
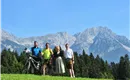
[35, 43]
[47, 45]
[66, 45]
[57, 48]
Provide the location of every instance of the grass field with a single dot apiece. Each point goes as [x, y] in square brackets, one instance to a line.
[38, 77]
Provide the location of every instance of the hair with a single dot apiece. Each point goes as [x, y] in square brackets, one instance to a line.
[47, 43]
[66, 44]
[35, 41]
[58, 47]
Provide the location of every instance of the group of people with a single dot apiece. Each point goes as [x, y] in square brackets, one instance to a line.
[47, 53]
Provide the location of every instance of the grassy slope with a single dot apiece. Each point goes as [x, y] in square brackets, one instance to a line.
[38, 77]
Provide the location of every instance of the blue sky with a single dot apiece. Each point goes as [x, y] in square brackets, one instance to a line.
[25, 18]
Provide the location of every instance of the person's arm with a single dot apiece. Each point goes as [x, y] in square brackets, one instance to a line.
[64, 54]
[40, 52]
[51, 51]
[72, 56]
[61, 53]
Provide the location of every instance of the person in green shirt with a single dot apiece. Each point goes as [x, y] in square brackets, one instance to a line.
[47, 53]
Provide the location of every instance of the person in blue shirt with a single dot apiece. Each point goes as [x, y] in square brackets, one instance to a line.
[36, 51]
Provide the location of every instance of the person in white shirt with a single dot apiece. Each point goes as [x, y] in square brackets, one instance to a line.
[68, 53]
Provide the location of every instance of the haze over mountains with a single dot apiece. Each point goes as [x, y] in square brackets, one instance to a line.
[98, 40]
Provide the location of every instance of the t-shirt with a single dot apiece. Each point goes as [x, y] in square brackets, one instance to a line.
[46, 53]
[68, 53]
[35, 51]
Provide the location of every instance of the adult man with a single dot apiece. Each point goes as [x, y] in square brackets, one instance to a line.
[69, 59]
[36, 52]
[47, 53]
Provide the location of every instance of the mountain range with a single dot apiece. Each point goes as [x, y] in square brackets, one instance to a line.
[98, 40]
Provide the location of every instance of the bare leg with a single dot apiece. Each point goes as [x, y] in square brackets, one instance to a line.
[73, 73]
[70, 72]
[44, 68]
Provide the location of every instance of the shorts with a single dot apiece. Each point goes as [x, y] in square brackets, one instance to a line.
[69, 62]
[46, 61]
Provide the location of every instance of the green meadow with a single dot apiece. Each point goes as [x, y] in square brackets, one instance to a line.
[39, 77]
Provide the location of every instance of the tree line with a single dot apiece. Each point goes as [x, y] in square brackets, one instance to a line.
[85, 65]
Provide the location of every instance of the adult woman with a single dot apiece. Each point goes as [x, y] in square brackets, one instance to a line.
[60, 69]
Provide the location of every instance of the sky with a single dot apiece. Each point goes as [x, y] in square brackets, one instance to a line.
[26, 18]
